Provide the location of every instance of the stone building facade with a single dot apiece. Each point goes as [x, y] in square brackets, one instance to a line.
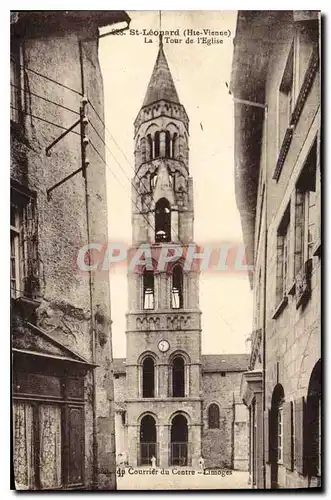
[63, 400]
[172, 403]
[276, 90]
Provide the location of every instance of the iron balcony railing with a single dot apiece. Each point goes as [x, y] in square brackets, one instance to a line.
[179, 454]
[146, 451]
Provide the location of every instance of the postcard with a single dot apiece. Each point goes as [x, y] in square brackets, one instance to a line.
[165, 259]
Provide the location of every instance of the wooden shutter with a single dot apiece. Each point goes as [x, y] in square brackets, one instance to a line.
[267, 436]
[312, 443]
[76, 448]
[299, 231]
[288, 435]
[299, 411]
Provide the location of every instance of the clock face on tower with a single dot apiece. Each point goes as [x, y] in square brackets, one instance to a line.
[163, 345]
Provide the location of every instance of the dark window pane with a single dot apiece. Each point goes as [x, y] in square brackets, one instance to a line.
[76, 445]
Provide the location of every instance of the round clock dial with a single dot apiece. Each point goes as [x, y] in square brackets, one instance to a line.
[163, 345]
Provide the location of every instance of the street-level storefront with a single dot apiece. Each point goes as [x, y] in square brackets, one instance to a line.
[48, 413]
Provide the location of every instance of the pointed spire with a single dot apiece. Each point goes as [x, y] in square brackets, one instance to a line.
[161, 84]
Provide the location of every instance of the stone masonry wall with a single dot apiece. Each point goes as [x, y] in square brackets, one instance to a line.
[65, 310]
[293, 339]
[218, 446]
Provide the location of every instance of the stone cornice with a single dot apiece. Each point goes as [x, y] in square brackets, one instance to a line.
[299, 105]
[251, 384]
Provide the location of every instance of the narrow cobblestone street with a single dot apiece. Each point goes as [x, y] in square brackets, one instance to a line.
[181, 479]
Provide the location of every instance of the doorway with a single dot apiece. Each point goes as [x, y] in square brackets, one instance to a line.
[179, 441]
[147, 442]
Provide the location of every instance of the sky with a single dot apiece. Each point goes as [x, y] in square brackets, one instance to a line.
[200, 73]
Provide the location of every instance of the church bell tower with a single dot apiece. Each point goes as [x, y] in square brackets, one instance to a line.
[163, 360]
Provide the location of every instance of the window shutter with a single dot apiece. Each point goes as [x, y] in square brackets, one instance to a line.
[279, 280]
[288, 435]
[267, 436]
[299, 408]
[30, 249]
[313, 423]
[299, 231]
[76, 448]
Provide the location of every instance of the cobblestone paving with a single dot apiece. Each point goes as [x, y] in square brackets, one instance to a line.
[181, 479]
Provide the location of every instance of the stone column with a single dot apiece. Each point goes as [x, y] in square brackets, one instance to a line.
[163, 432]
[133, 444]
[164, 291]
[174, 224]
[194, 444]
[150, 226]
[162, 144]
[163, 380]
[153, 148]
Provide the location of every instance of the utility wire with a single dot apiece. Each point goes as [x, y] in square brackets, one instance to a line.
[110, 169]
[95, 149]
[50, 79]
[44, 120]
[44, 98]
[111, 136]
[146, 219]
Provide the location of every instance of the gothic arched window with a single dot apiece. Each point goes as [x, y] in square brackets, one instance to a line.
[148, 378]
[157, 144]
[177, 287]
[148, 290]
[178, 377]
[162, 220]
[213, 416]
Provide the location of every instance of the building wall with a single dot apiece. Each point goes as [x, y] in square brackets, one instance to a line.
[218, 445]
[66, 301]
[293, 338]
[120, 418]
[223, 447]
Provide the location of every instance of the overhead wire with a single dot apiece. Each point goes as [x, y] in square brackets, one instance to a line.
[146, 219]
[30, 92]
[92, 145]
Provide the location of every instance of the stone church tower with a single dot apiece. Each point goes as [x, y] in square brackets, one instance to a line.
[163, 360]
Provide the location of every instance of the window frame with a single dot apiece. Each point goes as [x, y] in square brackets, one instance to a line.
[148, 291]
[23, 207]
[16, 84]
[183, 381]
[153, 389]
[213, 423]
[280, 433]
[179, 290]
[162, 220]
[16, 257]
[283, 256]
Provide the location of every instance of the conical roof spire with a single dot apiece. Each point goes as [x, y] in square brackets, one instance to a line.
[161, 84]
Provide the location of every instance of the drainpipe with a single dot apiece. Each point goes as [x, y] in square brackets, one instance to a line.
[265, 288]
